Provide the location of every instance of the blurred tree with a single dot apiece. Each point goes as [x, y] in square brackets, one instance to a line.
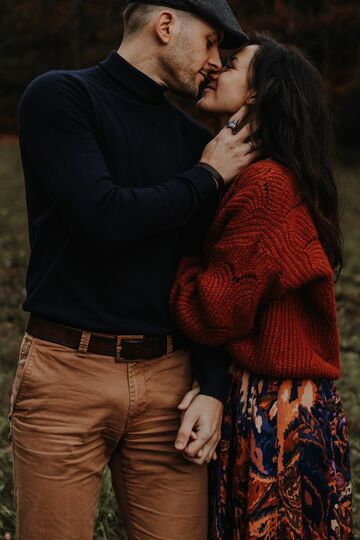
[328, 30]
[38, 35]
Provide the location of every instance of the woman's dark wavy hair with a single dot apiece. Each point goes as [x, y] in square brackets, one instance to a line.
[296, 130]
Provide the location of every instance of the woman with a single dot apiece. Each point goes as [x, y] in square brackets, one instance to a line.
[264, 290]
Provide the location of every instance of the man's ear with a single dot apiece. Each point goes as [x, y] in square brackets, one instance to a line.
[164, 26]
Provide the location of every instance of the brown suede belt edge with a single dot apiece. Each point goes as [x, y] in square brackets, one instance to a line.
[124, 348]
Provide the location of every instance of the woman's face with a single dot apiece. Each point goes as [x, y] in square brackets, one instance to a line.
[228, 90]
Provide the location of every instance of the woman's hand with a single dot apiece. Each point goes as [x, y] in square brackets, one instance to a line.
[208, 449]
[185, 402]
[230, 152]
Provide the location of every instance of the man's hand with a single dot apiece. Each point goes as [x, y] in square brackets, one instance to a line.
[203, 417]
[189, 396]
[229, 153]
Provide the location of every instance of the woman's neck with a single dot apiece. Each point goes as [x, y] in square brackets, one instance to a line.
[221, 121]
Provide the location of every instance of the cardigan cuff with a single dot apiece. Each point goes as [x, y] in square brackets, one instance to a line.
[211, 369]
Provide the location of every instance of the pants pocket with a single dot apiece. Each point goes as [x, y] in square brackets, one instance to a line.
[20, 375]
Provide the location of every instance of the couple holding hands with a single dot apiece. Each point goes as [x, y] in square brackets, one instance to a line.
[180, 291]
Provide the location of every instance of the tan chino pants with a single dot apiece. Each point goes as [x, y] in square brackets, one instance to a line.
[71, 415]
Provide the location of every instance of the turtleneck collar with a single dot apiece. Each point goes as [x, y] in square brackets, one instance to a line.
[136, 82]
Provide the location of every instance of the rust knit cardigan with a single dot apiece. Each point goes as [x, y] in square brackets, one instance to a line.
[264, 287]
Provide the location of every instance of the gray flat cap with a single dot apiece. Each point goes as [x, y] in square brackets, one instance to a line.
[217, 12]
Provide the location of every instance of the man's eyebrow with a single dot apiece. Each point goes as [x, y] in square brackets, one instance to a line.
[218, 35]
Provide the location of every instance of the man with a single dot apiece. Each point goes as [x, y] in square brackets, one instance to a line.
[112, 180]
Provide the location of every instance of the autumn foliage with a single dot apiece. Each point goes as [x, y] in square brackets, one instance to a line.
[38, 35]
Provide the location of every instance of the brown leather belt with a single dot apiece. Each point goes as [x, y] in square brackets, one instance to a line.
[125, 348]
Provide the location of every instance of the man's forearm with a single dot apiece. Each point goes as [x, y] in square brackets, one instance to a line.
[101, 211]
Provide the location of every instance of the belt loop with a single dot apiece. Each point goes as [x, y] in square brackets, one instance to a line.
[169, 345]
[118, 348]
[84, 344]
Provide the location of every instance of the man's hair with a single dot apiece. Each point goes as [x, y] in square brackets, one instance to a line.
[137, 15]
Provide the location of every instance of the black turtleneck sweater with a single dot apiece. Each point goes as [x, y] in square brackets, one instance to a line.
[114, 198]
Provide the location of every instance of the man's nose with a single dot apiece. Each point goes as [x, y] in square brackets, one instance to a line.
[214, 60]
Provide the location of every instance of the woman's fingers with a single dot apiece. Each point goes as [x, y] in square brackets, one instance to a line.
[240, 115]
[212, 455]
[238, 118]
[252, 156]
[206, 453]
[252, 145]
[245, 133]
[201, 456]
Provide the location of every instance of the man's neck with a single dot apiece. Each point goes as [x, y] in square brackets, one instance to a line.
[143, 61]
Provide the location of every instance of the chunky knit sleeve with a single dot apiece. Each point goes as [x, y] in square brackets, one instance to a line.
[264, 286]
[215, 300]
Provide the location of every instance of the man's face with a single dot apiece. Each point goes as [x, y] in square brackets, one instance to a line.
[190, 57]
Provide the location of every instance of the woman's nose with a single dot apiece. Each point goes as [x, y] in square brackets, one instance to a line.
[214, 75]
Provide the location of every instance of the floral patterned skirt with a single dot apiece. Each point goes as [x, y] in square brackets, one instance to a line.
[283, 470]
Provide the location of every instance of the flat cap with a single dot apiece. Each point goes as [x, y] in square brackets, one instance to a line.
[217, 12]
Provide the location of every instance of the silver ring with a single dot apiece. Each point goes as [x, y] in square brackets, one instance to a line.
[252, 146]
[232, 124]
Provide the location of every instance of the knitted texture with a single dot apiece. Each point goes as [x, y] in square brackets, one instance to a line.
[264, 286]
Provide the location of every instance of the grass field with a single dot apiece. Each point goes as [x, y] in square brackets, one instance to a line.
[13, 257]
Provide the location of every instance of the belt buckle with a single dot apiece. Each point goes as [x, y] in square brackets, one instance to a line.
[118, 345]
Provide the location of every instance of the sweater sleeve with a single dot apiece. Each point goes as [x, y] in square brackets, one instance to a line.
[58, 140]
[216, 301]
[211, 369]
[210, 364]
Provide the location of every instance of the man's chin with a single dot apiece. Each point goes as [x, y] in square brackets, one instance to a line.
[188, 91]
